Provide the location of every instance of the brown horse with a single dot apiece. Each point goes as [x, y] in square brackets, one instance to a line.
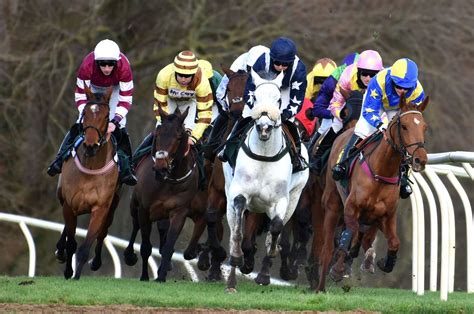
[371, 198]
[166, 190]
[89, 184]
[216, 202]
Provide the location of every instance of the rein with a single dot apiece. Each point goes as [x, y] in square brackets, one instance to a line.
[283, 151]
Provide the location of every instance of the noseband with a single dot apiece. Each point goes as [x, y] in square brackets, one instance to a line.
[403, 148]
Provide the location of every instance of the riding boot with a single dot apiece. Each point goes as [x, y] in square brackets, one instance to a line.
[234, 137]
[124, 151]
[298, 162]
[339, 171]
[324, 144]
[214, 138]
[405, 188]
[142, 149]
[55, 167]
[313, 140]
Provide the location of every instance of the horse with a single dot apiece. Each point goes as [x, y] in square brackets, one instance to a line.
[216, 201]
[372, 192]
[166, 192]
[255, 184]
[89, 184]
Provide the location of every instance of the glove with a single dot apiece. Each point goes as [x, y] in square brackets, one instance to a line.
[309, 114]
[381, 127]
[285, 116]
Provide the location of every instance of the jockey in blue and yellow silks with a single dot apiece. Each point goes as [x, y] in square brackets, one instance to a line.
[383, 95]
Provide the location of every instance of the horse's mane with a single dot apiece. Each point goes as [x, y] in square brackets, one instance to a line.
[267, 75]
[272, 111]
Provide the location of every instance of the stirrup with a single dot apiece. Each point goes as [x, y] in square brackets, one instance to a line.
[221, 155]
[338, 171]
[54, 168]
[129, 179]
[405, 191]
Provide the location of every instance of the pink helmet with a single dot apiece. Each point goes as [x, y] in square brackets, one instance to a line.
[370, 60]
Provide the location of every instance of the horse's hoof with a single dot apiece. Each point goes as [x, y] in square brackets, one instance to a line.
[60, 256]
[231, 290]
[246, 269]
[189, 255]
[336, 275]
[130, 259]
[68, 274]
[96, 264]
[263, 280]
[368, 265]
[287, 273]
[381, 265]
[160, 279]
[236, 261]
[144, 278]
[214, 276]
[203, 263]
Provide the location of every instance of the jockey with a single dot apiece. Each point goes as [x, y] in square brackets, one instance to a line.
[321, 71]
[383, 95]
[243, 63]
[105, 66]
[281, 58]
[355, 77]
[182, 84]
[321, 104]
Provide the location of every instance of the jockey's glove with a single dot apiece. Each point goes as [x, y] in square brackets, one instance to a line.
[285, 115]
[309, 114]
[116, 121]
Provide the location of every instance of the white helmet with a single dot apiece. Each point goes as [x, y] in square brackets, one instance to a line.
[107, 50]
[254, 53]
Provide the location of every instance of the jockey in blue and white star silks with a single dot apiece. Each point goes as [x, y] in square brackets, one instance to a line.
[281, 57]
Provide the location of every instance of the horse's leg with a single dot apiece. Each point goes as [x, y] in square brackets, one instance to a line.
[285, 272]
[393, 244]
[249, 246]
[70, 223]
[192, 250]
[96, 223]
[145, 247]
[301, 235]
[129, 255]
[61, 248]
[234, 219]
[352, 228]
[163, 227]
[177, 220]
[368, 265]
[276, 227]
[97, 261]
[218, 254]
[317, 219]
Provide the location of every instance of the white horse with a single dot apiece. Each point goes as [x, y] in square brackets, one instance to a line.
[262, 180]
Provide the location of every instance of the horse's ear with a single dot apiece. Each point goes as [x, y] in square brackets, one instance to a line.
[87, 90]
[108, 93]
[257, 80]
[424, 104]
[184, 114]
[403, 102]
[227, 71]
[279, 79]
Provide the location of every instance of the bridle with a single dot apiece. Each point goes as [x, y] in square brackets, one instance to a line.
[402, 149]
[237, 99]
[102, 135]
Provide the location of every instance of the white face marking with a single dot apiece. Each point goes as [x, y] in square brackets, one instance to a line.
[94, 108]
[416, 121]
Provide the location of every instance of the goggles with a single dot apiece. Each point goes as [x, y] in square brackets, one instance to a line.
[104, 63]
[370, 73]
[283, 64]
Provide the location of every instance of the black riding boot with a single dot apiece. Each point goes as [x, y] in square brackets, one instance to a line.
[124, 151]
[313, 140]
[299, 164]
[142, 149]
[339, 171]
[55, 167]
[214, 138]
[224, 155]
[405, 188]
[323, 145]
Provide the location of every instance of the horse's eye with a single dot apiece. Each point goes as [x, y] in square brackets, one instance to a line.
[404, 127]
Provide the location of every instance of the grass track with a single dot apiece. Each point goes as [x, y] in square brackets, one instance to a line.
[185, 294]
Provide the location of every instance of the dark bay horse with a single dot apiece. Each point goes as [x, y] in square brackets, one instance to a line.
[89, 184]
[216, 201]
[371, 198]
[166, 192]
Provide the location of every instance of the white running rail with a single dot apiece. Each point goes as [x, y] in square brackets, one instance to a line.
[110, 243]
[437, 166]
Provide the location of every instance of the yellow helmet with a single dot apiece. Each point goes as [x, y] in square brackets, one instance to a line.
[186, 63]
[324, 67]
[206, 68]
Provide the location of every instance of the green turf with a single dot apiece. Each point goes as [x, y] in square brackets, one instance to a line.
[185, 294]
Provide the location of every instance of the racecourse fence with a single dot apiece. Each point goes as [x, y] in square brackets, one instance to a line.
[439, 165]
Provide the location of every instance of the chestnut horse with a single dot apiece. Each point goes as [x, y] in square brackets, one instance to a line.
[89, 184]
[371, 198]
[166, 189]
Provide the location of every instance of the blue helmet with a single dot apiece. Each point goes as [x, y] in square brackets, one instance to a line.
[404, 73]
[283, 50]
[350, 58]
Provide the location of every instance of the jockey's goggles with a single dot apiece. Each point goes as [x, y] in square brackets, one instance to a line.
[401, 88]
[370, 73]
[184, 75]
[283, 64]
[319, 79]
[104, 63]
